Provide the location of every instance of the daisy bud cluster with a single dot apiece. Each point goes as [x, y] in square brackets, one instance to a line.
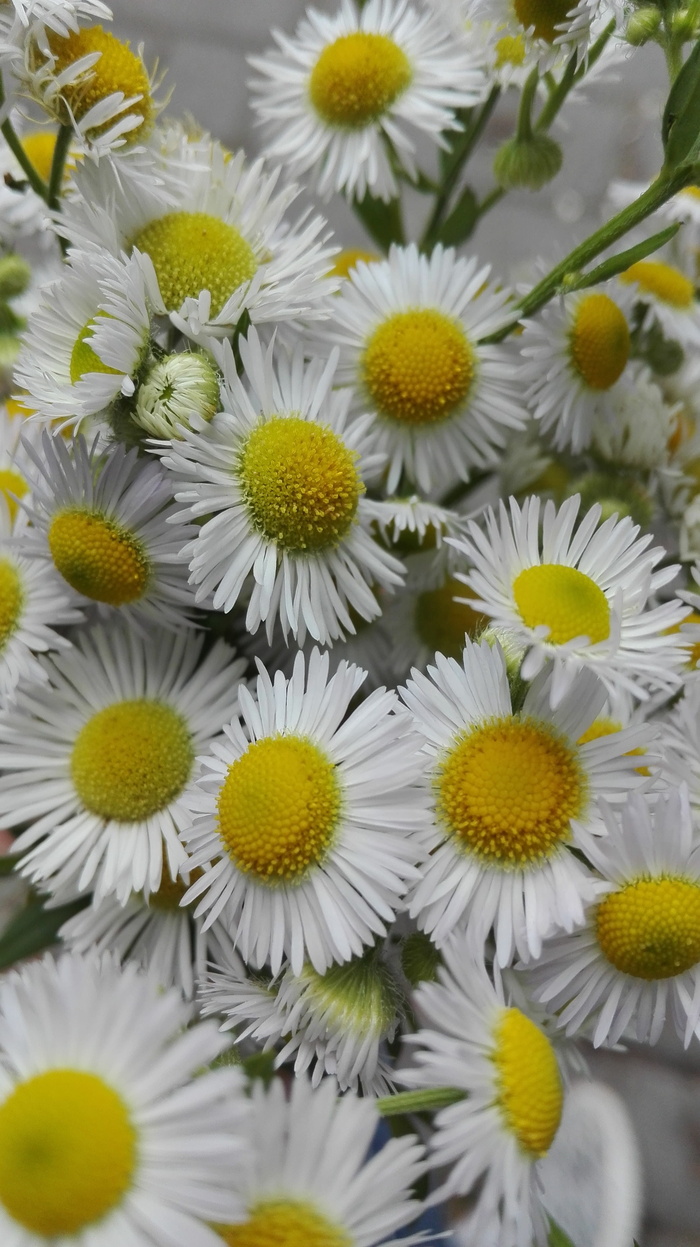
[349, 630]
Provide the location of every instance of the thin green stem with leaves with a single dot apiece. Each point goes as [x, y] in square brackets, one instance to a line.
[462, 150]
[36, 182]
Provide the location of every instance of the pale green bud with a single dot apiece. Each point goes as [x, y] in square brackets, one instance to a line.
[528, 163]
[642, 26]
[173, 389]
[15, 275]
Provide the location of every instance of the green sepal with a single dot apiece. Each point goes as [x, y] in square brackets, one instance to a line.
[381, 220]
[428, 1101]
[459, 225]
[557, 1237]
[680, 127]
[34, 929]
[620, 263]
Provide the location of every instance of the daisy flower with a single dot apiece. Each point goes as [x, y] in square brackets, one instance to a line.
[408, 331]
[280, 473]
[349, 86]
[546, 28]
[503, 49]
[109, 1130]
[576, 354]
[309, 1178]
[638, 954]
[98, 762]
[513, 792]
[88, 339]
[575, 595]
[474, 1039]
[670, 294]
[103, 524]
[312, 818]
[431, 615]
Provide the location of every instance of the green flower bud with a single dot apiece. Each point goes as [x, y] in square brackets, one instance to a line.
[420, 959]
[642, 26]
[15, 275]
[617, 494]
[527, 163]
[684, 24]
[172, 390]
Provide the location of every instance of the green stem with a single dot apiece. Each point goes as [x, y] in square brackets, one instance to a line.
[36, 182]
[427, 1101]
[489, 201]
[465, 144]
[524, 128]
[58, 164]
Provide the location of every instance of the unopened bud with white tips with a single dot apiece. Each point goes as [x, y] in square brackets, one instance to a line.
[175, 388]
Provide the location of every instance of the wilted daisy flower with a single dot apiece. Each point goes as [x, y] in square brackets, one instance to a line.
[670, 293]
[309, 1177]
[103, 523]
[408, 331]
[88, 339]
[98, 761]
[576, 596]
[109, 1130]
[312, 818]
[575, 354]
[638, 955]
[280, 473]
[475, 1040]
[347, 82]
[513, 792]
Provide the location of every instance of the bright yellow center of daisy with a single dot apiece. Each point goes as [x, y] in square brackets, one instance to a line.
[564, 599]
[510, 50]
[131, 759]
[300, 482]
[357, 78]
[83, 359]
[507, 791]
[11, 483]
[98, 557]
[118, 69]
[279, 808]
[441, 622]
[11, 600]
[663, 281]
[346, 260]
[650, 928]
[39, 147]
[542, 16]
[284, 1223]
[418, 367]
[67, 1152]
[599, 341]
[692, 647]
[194, 251]
[530, 1091]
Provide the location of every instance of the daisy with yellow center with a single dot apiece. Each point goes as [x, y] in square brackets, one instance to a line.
[512, 793]
[669, 294]
[574, 592]
[475, 1040]
[575, 358]
[637, 958]
[281, 474]
[332, 94]
[433, 614]
[313, 825]
[309, 1182]
[408, 332]
[108, 1125]
[97, 763]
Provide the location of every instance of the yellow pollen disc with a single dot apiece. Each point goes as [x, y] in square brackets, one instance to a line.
[39, 147]
[11, 601]
[67, 1152]
[98, 557]
[300, 483]
[83, 359]
[284, 1223]
[194, 251]
[663, 281]
[507, 791]
[118, 69]
[279, 808]
[441, 622]
[602, 727]
[542, 16]
[692, 191]
[131, 759]
[418, 367]
[563, 598]
[692, 647]
[357, 78]
[510, 50]
[599, 341]
[651, 928]
[11, 483]
[346, 260]
[530, 1091]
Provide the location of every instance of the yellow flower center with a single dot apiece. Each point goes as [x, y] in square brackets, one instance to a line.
[510, 50]
[98, 557]
[284, 1223]
[663, 281]
[194, 251]
[418, 367]
[11, 483]
[357, 78]
[300, 482]
[39, 147]
[171, 891]
[279, 808]
[598, 729]
[346, 260]
[564, 599]
[692, 191]
[131, 759]
[11, 601]
[118, 69]
[83, 358]
[542, 16]
[441, 622]
[692, 647]
[67, 1152]
[530, 1091]
[508, 789]
[599, 341]
[650, 928]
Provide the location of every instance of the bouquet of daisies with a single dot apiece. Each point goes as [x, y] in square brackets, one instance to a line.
[349, 624]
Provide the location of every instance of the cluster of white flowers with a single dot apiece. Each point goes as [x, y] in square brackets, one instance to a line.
[345, 696]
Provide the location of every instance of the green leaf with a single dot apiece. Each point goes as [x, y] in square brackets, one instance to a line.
[381, 220]
[621, 262]
[557, 1237]
[34, 929]
[461, 221]
[680, 127]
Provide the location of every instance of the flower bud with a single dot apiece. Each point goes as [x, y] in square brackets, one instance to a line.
[527, 163]
[175, 388]
[15, 275]
[642, 26]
